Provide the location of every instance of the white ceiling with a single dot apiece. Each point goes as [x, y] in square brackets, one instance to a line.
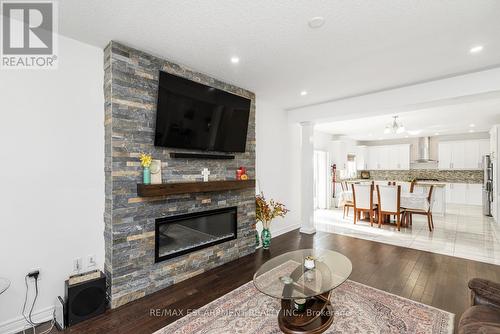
[363, 46]
[444, 120]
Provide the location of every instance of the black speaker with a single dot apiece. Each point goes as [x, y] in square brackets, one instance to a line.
[85, 299]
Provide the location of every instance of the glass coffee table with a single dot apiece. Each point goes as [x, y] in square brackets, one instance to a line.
[4, 284]
[303, 280]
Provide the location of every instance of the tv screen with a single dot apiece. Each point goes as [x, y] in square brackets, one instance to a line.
[191, 115]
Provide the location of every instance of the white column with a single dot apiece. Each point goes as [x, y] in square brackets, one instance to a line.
[307, 178]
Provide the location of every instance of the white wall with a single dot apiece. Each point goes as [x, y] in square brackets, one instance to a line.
[277, 162]
[52, 168]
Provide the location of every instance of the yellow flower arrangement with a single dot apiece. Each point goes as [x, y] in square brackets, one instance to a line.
[146, 160]
[266, 211]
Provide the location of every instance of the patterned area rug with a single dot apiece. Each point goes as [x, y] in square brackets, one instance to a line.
[358, 309]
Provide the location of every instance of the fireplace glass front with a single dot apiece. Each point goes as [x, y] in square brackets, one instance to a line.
[178, 235]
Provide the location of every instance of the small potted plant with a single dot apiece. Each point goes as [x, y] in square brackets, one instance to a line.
[265, 212]
[146, 161]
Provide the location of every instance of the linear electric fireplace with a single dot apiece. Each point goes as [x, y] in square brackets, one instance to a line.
[183, 234]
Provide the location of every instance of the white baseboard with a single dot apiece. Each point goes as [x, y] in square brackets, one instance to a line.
[286, 229]
[18, 324]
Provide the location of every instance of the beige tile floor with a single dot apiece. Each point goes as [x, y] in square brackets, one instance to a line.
[463, 232]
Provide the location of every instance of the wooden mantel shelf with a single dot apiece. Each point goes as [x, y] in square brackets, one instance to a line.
[165, 189]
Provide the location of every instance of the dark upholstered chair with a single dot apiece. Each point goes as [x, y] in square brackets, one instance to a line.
[484, 315]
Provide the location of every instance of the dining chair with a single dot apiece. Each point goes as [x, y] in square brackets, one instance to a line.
[391, 183]
[418, 188]
[389, 203]
[362, 196]
[409, 212]
[348, 203]
[342, 185]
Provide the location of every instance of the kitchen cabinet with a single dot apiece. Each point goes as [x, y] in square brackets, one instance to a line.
[474, 194]
[389, 157]
[362, 158]
[463, 154]
[438, 201]
[403, 157]
[373, 157]
[464, 193]
[458, 155]
[456, 193]
[484, 149]
[444, 155]
[474, 152]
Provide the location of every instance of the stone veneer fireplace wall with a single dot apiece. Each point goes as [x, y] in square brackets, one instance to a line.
[130, 85]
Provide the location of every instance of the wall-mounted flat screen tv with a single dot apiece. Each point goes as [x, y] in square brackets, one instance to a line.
[191, 115]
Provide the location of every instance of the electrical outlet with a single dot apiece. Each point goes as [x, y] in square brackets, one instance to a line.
[77, 265]
[91, 264]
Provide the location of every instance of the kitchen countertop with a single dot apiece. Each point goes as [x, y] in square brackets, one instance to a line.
[440, 184]
[433, 183]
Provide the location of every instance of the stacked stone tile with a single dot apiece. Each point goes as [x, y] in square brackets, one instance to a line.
[130, 87]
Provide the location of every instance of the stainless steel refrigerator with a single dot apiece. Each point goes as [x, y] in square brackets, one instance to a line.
[487, 185]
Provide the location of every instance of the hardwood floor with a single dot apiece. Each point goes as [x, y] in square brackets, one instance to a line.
[433, 279]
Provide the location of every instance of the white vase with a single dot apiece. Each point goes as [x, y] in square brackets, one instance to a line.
[309, 264]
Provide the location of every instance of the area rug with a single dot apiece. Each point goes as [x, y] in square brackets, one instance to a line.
[358, 309]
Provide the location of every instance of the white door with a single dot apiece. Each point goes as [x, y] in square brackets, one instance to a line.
[321, 180]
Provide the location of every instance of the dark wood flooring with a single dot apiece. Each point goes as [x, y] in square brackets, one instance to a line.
[433, 279]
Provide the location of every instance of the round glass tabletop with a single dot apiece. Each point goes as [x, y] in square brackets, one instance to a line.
[4, 284]
[286, 277]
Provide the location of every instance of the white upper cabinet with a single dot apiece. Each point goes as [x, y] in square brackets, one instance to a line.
[464, 154]
[458, 155]
[388, 157]
[404, 157]
[373, 157]
[361, 157]
[472, 154]
[484, 149]
[444, 155]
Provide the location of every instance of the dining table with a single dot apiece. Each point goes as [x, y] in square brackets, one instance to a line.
[408, 200]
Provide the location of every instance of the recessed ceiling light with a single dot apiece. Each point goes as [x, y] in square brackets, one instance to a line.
[380, 138]
[471, 130]
[476, 49]
[316, 22]
[235, 60]
[436, 134]
[472, 125]
[407, 136]
[303, 93]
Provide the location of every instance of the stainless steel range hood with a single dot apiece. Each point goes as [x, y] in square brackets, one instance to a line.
[424, 147]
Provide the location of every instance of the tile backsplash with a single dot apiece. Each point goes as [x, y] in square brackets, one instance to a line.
[454, 176]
